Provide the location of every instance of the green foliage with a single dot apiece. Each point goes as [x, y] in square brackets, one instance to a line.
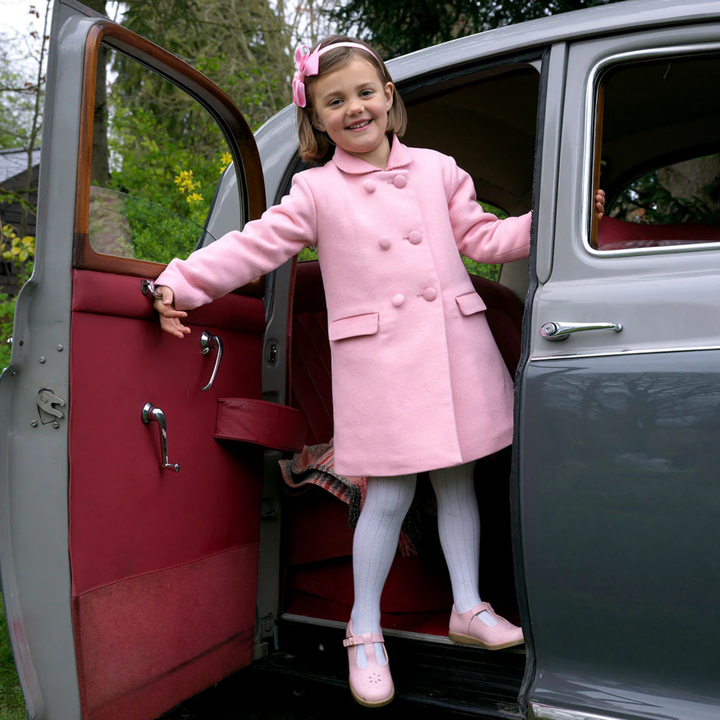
[647, 201]
[163, 146]
[12, 705]
[403, 26]
[17, 95]
[489, 272]
[239, 44]
[307, 254]
[178, 235]
[147, 154]
[17, 254]
[164, 173]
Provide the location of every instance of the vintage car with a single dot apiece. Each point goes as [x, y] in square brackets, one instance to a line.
[148, 544]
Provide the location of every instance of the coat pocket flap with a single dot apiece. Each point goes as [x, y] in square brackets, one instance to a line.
[354, 326]
[470, 303]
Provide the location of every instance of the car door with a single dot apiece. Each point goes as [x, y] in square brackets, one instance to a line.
[618, 422]
[130, 535]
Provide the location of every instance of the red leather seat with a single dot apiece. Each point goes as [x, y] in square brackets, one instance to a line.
[616, 234]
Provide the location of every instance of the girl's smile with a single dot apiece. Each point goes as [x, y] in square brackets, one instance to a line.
[351, 106]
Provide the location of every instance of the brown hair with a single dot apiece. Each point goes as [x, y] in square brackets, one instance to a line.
[315, 144]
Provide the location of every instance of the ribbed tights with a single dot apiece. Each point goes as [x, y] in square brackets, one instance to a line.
[376, 536]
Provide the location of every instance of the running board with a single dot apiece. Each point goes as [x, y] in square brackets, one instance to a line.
[429, 670]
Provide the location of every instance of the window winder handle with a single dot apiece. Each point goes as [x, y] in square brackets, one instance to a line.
[150, 413]
[207, 343]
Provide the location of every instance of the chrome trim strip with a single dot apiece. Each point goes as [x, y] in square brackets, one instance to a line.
[589, 148]
[548, 712]
[304, 620]
[404, 634]
[616, 353]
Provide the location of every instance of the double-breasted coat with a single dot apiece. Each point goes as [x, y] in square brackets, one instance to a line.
[418, 381]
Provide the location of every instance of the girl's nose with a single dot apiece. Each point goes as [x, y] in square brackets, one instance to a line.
[354, 107]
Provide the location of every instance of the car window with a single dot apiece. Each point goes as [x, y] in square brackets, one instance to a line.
[657, 133]
[157, 159]
[494, 124]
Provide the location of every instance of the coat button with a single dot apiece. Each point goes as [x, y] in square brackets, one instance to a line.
[400, 181]
[369, 186]
[384, 242]
[430, 294]
[415, 237]
[398, 300]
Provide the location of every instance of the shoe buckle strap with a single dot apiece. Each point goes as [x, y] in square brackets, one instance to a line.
[366, 639]
[482, 607]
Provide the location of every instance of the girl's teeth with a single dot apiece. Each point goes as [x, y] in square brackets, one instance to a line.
[359, 125]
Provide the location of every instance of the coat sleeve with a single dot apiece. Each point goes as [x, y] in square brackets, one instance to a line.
[480, 235]
[238, 258]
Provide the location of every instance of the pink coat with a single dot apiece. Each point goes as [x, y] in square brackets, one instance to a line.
[418, 382]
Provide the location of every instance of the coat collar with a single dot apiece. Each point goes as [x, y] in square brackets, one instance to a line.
[399, 157]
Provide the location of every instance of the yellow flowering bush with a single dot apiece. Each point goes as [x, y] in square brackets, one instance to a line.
[16, 249]
[185, 182]
[19, 252]
[225, 160]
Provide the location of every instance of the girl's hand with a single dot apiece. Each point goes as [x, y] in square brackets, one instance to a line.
[600, 203]
[169, 316]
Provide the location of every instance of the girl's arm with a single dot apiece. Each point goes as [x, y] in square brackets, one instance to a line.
[480, 235]
[240, 257]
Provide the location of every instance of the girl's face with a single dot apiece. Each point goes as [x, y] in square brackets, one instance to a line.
[351, 106]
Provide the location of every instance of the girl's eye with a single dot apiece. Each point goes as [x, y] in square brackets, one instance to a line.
[366, 93]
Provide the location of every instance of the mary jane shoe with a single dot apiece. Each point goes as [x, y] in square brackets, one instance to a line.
[467, 629]
[373, 685]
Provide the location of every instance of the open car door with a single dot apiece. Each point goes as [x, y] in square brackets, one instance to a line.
[128, 586]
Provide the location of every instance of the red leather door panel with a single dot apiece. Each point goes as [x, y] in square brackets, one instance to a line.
[164, 564]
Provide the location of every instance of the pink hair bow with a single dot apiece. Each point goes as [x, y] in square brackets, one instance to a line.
[308, 63]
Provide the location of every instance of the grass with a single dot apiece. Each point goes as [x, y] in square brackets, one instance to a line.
[12, 705]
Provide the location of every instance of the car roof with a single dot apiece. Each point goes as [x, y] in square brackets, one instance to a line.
[607, 19]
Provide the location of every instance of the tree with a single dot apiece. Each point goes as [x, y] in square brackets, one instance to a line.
[241, 45]
[22, 93]
[404, 26]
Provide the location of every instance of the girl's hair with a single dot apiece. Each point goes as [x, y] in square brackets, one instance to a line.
[315, 144]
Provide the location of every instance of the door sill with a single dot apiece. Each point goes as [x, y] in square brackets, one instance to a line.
[405, 634]
[428, 670]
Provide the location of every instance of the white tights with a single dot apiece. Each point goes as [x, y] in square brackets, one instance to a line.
[378, 529]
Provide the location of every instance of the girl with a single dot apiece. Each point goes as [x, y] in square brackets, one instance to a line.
[418, 382]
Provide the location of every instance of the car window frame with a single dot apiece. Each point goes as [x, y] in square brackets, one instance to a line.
[592, 148]
[233, 126]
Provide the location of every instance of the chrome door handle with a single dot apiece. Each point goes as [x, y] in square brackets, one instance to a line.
[207, 342]
[555, 331]
[148, 288]
[150, 413]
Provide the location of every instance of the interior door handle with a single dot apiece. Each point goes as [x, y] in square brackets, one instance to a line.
[555, 331]
[207, 342]
[150, 413]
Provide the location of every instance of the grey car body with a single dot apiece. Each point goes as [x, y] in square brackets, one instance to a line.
[615, 493]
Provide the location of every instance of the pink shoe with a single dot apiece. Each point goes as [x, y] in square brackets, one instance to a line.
[373, 686]
[467, 629]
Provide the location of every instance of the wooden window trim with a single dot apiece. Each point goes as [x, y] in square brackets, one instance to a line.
[232, 124]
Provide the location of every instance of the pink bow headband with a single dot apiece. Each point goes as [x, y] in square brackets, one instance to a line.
[308, 63]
